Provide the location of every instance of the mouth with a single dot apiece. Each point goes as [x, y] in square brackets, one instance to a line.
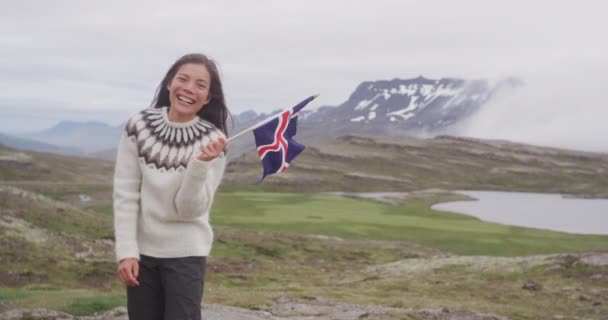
[185, 99]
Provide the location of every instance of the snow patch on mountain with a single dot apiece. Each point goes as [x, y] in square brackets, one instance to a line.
[409, 106]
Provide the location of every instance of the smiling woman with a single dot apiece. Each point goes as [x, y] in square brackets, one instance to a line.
[188, 92]
[195, 80]
[170, 163]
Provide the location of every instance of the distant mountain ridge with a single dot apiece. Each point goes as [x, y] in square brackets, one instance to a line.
[33, 145]
[86, 137]
[399, 107]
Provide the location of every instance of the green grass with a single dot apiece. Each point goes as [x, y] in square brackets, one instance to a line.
[90, 305]
[104, 209]
[363, 219]
[77, 302]
[58, 217]
[272, 245]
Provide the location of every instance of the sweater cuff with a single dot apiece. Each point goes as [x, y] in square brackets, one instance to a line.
[199, 168]
[127, 251]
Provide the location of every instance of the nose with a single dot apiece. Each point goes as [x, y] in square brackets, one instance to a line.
[189, 86]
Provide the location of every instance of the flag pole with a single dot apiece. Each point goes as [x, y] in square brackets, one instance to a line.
[261, 123]
[255, 126]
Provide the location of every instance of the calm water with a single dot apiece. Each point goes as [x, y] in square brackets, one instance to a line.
[369, 195]
[544, 211]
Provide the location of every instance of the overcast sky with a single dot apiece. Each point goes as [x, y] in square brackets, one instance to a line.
[85, 60]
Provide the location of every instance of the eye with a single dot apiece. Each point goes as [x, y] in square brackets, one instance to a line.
[202, 86]
[181, 79]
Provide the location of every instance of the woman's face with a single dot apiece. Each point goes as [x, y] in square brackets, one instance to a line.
[189, 90]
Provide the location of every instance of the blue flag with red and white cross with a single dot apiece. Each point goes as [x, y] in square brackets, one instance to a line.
[274, 140]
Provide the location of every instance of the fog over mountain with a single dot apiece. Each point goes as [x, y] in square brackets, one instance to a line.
[564, 107]
[418, 106]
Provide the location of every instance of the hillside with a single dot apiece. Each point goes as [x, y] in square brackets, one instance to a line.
[23, 166]
[47, 234]
[29, 144]
[366, 163]
[290, 255]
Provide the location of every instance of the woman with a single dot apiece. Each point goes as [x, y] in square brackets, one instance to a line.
[170, 162]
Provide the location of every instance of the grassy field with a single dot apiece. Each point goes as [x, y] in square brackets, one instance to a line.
[310, 246]
[73, 301]
[319, 246]
[415, 222]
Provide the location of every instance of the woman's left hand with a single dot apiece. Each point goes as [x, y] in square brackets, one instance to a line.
[212, 150]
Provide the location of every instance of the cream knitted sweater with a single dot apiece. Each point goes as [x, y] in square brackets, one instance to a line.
[162, 193]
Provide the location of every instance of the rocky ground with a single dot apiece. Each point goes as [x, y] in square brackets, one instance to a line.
[282, 310]
[314, 308]
[287, 310]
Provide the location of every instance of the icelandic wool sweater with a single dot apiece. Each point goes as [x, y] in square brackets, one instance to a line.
[162, 193]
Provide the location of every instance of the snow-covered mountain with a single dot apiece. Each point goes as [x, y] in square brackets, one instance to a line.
[418, 107]
[413, 106]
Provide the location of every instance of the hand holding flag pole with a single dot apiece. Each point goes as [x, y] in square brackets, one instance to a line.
[274, 139]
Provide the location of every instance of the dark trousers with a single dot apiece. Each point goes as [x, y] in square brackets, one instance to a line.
[169, 289]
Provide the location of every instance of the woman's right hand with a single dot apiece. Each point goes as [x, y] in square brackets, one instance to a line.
[128, 271]
[212, 149]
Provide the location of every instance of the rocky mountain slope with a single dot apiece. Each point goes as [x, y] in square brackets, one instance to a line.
[418, 106]
[367, 163]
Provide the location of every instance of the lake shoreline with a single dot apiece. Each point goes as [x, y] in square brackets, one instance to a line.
[546, 211]
[454, 200]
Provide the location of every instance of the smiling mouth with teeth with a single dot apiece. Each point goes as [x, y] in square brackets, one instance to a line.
[185, 100]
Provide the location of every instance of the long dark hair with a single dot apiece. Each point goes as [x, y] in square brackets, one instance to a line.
[215, 111]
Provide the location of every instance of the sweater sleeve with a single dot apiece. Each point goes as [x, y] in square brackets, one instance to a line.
[127, 195]
[201, 180]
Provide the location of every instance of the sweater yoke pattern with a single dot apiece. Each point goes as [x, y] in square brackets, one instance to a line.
[165, 146]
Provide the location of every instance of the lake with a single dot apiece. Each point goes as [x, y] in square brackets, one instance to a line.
[536, 210]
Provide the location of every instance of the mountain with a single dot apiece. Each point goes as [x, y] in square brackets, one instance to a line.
[417, 106]
[87, 137]
[398, 107]
[28, 144]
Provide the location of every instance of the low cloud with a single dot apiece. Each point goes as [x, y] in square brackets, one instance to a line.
[562, 105]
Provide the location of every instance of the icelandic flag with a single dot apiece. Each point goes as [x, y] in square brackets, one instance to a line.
[274, 140]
